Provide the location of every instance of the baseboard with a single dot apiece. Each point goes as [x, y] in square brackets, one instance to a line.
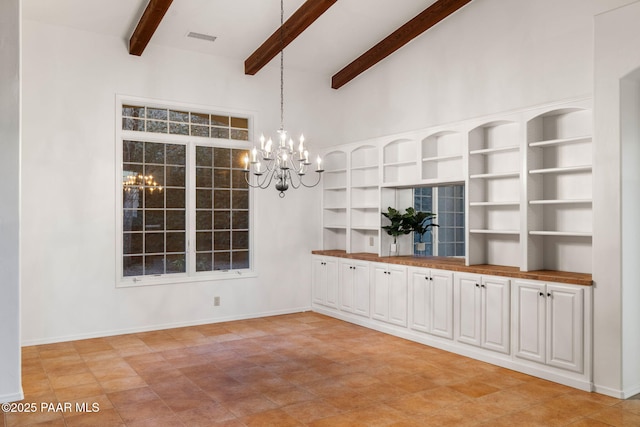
[14, 397]
[631, 391]
[607, 391]
[159, 327]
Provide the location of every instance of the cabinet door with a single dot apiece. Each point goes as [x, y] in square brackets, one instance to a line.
[398, 295]
[529, 312]
[346, 286]
[420, 299]
[380, 280]
[468, 309]
[361, 295]
[331, 281]
[318, 280]
[565, 323]
[495, 313]
[441, 304]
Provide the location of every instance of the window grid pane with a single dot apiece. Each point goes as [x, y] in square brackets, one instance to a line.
[222, 210]
[176, 122]
[154, 218]
[450, 218]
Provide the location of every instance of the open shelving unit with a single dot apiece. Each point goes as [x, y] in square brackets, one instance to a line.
[442, 157]
[364, 203]
[334, 201]
[399, 164]
[559, 190]
[493, 194]
[528, 186]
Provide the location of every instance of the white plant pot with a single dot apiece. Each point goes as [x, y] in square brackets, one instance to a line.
[393, 249]
[421, 246]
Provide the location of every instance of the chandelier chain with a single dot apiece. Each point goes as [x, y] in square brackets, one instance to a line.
[282, 163]
[281, 65]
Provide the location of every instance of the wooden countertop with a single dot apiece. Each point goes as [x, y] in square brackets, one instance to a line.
[458, 264]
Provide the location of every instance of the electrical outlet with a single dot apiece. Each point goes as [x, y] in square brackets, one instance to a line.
[216, 301]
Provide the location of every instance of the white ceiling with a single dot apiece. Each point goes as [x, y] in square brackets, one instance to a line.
[340, 35]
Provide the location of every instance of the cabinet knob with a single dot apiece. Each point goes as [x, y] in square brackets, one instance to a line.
[482, 286]
[549, 294]
[477, 285]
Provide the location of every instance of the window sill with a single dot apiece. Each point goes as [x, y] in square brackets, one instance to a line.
[181, 279]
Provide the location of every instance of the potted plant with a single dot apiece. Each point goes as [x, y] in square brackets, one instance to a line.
[396, 228]
[419, 222]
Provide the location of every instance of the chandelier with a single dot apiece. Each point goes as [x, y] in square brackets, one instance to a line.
[281, 163]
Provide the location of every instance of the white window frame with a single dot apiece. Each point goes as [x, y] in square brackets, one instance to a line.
[190, 142]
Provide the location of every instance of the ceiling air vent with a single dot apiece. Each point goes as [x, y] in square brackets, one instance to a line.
[201, 36]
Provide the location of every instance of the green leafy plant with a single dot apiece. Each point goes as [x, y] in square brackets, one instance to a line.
[417, 221]
[397, 226]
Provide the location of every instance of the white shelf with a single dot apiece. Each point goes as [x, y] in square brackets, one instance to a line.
[486, 231]
[404, 163]
[365, 227]
[494, 204]
[495, 175]
[364, 187]
[335, 188]
[560, 233]
[495, 150]
[335, 170]
[561, 141]
[561, 202]
[442, 158]
[359, 168]
[336, 227]
[566, 169]
[335, 208]
[365, 207]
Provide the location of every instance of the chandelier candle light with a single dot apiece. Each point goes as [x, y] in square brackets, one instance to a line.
[262, 165]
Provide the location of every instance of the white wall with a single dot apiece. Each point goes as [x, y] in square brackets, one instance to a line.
[71, 79]
[491, 56]
[616, 293]
[10, 388]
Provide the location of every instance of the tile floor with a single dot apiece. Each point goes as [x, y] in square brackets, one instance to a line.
[293, 370]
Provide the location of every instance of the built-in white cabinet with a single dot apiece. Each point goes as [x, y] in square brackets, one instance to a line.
[354, 287]
[324, 281]
[549, 324]
[482, 311]
[431, 301]
[536, 327]
[389, 289]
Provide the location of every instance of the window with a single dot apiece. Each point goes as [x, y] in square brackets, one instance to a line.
[447, 202]
[185, 207]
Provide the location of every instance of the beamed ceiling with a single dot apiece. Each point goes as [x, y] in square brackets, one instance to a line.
[339, 38]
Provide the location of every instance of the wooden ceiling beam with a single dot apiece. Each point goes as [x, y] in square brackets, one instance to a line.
[147, 25]
[292, 28]
[400, 37]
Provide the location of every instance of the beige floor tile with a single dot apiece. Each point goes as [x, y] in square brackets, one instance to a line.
[299, 369]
